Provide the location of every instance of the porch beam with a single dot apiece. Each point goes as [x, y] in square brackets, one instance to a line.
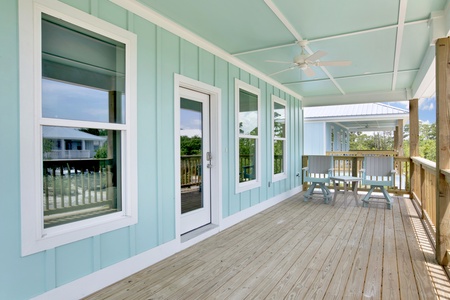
[442, 149]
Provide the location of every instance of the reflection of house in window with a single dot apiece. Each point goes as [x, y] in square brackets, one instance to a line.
[70, 143]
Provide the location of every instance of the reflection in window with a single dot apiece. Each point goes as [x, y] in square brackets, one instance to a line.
[248, 135]
[80, 173]
[83, 80]
[248, 113]
[279, 136]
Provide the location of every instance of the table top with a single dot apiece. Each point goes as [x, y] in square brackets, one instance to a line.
[345, 178]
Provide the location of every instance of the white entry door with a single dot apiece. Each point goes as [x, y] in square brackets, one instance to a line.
[195, 160]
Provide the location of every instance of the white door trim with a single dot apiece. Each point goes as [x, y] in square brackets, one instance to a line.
[215, 140]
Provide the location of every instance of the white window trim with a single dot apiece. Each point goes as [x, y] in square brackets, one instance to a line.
[34, 237]
[280, 176]
[248, 185]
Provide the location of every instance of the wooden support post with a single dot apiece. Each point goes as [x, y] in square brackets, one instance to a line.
[399, 132]
[414, 142]
[304, 164]
[414, 127]
[442, 149]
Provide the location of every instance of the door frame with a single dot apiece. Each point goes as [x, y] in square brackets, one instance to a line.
[215, 140]
[201, 216]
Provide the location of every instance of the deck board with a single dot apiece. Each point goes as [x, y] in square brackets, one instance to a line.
[301, 250]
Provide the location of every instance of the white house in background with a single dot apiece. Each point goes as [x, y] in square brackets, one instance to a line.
[327, 128]
[71, 143]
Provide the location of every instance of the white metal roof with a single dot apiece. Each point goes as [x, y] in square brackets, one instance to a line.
[49, 132]
[358, 117]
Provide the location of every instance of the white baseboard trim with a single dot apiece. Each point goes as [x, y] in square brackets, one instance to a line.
[253, 210]
[93, 282]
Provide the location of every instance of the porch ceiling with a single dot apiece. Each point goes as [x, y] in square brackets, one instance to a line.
[388, 42]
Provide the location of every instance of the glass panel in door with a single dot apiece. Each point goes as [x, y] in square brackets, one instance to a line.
[195, 160]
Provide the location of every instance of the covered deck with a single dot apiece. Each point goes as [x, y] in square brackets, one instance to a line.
[302, 250]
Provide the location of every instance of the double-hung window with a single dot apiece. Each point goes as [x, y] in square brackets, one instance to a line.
[279, 130]
[248, 136]
[78, 139]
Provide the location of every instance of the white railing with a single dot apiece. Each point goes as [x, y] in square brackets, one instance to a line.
[67, 154]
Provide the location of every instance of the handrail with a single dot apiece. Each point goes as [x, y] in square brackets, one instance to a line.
[363, 153]
[428, 164]
[446, 173]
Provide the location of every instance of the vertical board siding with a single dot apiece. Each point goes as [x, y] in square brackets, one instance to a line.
[207, 66]
[147, 228]
[189, 56]
[112, 13]
[29, 272]
[73, 261]
[234, 199]
[314, 137]
[160, 55]
[165, 128]
[83, 5]
[221, 80]
[112, 251]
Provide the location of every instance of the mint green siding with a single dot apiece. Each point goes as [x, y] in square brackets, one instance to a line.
[161, 54]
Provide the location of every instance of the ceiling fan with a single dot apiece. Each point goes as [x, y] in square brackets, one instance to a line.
[304, 61]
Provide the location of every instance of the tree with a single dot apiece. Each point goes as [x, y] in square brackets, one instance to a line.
[427, 140]
[378, 141]
[190, 145]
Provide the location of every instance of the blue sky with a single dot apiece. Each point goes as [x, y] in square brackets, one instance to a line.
[427, 109]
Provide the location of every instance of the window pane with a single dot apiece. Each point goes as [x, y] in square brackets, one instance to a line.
[248, 113]
[83, 74]
[278, 158]
[247, 159]
[279, 120]
[68, 101]
[81, 173]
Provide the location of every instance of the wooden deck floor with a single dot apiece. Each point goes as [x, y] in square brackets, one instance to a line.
[301, 250]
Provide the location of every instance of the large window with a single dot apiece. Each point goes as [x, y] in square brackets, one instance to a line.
[248, 141]
[83, 132]
[279, 138]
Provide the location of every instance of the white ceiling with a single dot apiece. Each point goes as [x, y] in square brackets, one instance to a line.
[390, 42]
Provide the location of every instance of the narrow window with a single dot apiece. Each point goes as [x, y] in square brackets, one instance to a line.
[248, 142]
[84, 134]
[83, 105]
[279, 138]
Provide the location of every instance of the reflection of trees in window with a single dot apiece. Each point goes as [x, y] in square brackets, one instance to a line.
[248, 135]
[279, 136]
[190, 145]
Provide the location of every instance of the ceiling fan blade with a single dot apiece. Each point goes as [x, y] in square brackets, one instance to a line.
[282, 71]
[309, 72]
[333, 63]
[279, 62]
[316, 55]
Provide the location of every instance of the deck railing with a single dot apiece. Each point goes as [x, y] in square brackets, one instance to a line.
[75, 186]
[350, 165]
[423, 192]
[67, 154]
[191, 175]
